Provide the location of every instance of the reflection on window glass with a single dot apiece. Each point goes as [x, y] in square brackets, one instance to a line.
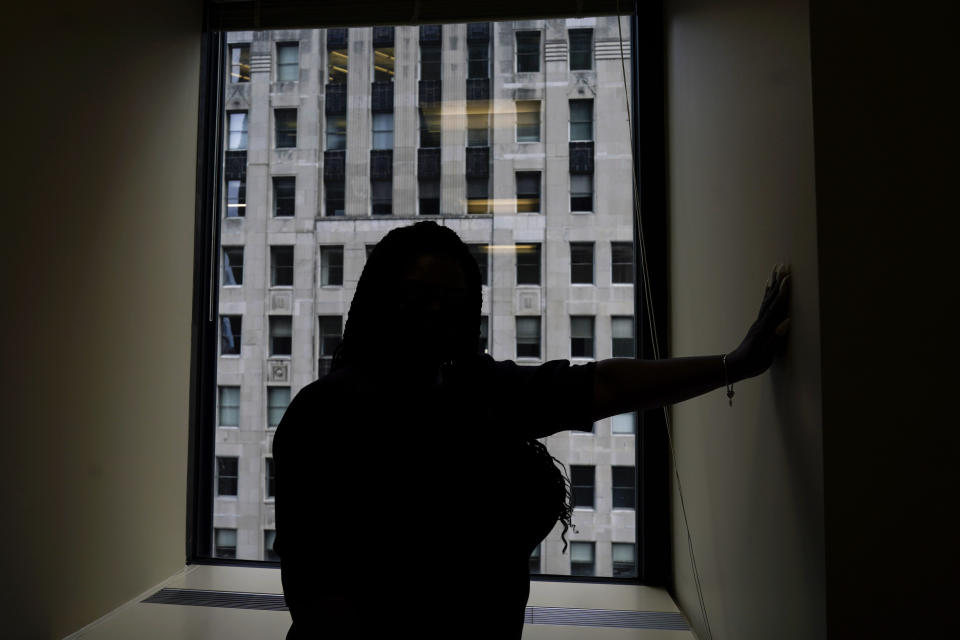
[333, 168]
[624, 560]
[269, 535]
[581, 559]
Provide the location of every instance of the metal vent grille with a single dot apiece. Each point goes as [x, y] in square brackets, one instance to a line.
[533, 615]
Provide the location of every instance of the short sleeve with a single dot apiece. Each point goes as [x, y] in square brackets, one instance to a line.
[545, 399]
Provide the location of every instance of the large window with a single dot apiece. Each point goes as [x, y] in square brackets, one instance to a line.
[298, 202]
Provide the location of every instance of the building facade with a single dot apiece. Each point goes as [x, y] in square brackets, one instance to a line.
[513, 134]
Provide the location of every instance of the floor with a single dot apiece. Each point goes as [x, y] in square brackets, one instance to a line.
[147, 621]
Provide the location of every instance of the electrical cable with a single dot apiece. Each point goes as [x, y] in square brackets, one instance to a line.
[653, 329]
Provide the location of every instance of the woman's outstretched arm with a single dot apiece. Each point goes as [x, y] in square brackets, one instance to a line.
[622, 385]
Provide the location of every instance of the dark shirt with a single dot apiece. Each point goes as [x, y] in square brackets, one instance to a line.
[404, 503]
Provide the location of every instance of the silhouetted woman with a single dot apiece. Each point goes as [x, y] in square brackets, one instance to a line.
[410, 487]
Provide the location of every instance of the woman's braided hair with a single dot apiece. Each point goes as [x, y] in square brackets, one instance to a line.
[368, 321]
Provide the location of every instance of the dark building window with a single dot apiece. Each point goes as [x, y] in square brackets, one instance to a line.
[381, 197]
[528, 263]
[429, 127]
[484, 345]
[624, 560]
[528, 336]
[337, 56]
[528, 51]
[621, 267]
[480, 252]
[281, 266]
[581, 120]
[478, 195]
[384, 62]
[229, 407]
[581, 49]
[236, 198]
[622, 332]
[288, 62]
[582, 561]
[528, 191]
[286, 128]
[240, 63]
[269, 536]
[230, 335]
[270, 480]
[336, 132]
[382, 131]
[478, 59]
[581, 337]
[535, 560]
[284, 196]
[429, 196]
[281, 335]
[528, 120]
[278, 398]
[582, 484]
[478, 124]
[623, 487]
[227, 475]
[335, 197]
[331, 333]
[225, 543]
[581, 263]
[331, 266]
[232, 266]
[581, 192]
[237, 130]
[430, 61]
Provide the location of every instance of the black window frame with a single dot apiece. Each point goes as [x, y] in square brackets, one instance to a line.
[647, 100]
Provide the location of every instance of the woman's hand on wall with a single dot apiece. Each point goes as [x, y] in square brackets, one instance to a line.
[767, 337]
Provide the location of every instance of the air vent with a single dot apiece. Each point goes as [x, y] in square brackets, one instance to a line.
[533, 615]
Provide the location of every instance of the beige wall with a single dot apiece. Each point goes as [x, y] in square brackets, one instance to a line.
[100, 125]
[741, 193]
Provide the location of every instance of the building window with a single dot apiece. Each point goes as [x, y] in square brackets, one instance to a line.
[286, 128]
[239, 63]
[331, 334]
[230, 335]
[225, 543]
[281, 335]
[232, 266]
[277, 400]
[478, 125]
[227, 475]
[382, 131]
[384, 61]
[581, 336]
[581, 559]
[478, 200]
[625, 423]
[582, 484]
[480, 252]
[478, 60]
[622, 332]
[284, 196]
[581, 192]
[237, 130]
[624, 560]
[337, 66]
[236, 198]
[623, 487]
[270, 479]
[528, 51]
[528, 263]
[528, 191]
[336, 132]
[581, 263]
[331, 266]
[335, 198]
[269, 536]
[381, 197]
[229, 407]
[528, 120]
[581, 120]
[535, 560]
[483, 347]
[288, 62]
[528, 336]
[281, 266]
[430, 59]
[429, 128]
[581, 49]
[621, 267]
[429, 196]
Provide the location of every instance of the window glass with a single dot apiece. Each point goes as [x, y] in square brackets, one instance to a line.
[429, 127]
[528, 51]
[581, 49]
[232, 266]
[430, 197]
[381, 197]
[225, 543]
[277, 400]
[281, 266]
[581, 120]
[269, 535]
[581, 559]
[270, 479]
[227, 475]
[337, 66]
[478, 125]
[286, 124]
[581, 263]
[478, 60]
[229, 406]
[382, 130]
[331, 266]
[479, 253]
[430, 62]
[621, 262]
[478, 195]
[237, 135]
[240, 63]
[284, 195]
[384, 62]
[331, 333]
[288, 62]
[528, 191]
[528, 121]
[236, 198]
[623, 487]
[230, 335]
[625, 423]
[528, 263]
[528, 337]
[581, 192]
[582, 483]
[624, 556]
[334, 198]
[336, 132]
[281, 335]
[581, 336]
[622, 335]
[535, 560]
